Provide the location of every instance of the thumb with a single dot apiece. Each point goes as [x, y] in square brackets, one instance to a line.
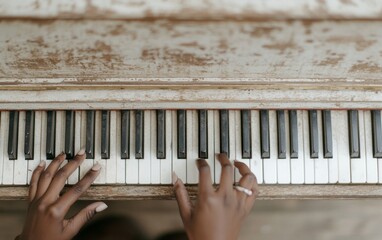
[182, 198]
[78, 221]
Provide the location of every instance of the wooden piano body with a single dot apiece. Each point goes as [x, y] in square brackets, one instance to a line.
[175, 54]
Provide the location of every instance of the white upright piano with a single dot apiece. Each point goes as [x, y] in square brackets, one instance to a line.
[293, 89]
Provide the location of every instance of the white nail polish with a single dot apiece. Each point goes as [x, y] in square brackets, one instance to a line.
[42, 163]
[96, 167]
[101, 207]
[81, 152]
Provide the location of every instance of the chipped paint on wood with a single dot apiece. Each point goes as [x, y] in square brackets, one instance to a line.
[172, 64]
[172, 49]
[196, 9]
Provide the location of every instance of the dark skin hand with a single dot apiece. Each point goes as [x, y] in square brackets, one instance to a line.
[47, 209]
[217, 214]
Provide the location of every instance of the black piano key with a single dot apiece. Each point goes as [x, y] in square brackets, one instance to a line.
[313, 134]
[13, 134]
[161, 134]
[50, 135]
[354, 134]
[69, 134]
[293, 135]
[139, 134]
[281, 135]
[105, 134]
[125, 134]
[29, 135]
[224, 132]
[377, 133]
[264, 134]
[182, 134]
[90, 134]
[327, 133]
[246, 140]
[203, 134]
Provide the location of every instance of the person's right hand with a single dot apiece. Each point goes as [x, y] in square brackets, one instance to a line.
[217, 214]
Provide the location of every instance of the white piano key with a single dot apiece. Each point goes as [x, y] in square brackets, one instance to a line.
[218, 168]
[321, 164]
[256, 162]
[179, 166]
[60, 135]
[145, 163]
[101, 179]
[21, 165]
[333, 162]
[74, 177]
[32, 164]
[43, 136]
[132, 166]
[155, 162]
[308, 161]
[232, 136]
[297, 164]
[192, 147]
[270, 164]
[371, 162]
[87, 164]
[120, 163]
[342, 134]
[238, 144]
[166, 164]
[8, 165]
[211, 140]
[2, 139]
[283, 165]
[111, 163]
[358, 165]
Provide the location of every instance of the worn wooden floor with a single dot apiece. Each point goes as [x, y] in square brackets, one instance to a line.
[270, 220]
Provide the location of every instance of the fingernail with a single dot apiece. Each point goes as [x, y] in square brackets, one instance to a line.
[81, 152]
[96, 167]
[42, 163]
[174, 178]
[101, 207]
[62, 153]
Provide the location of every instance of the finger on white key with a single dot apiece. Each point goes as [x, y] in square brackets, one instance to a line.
[34, 162]
[192, 146]
[101, 179]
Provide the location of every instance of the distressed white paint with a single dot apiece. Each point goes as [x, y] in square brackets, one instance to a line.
[195, 9]
[165, 64]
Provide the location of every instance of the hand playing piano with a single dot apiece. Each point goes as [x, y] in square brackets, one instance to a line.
[47, 209]
[217, 214]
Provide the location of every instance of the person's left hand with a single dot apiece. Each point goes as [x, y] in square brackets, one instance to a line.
[47, 209]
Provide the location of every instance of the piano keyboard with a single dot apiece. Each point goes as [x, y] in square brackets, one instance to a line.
[145, 146]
